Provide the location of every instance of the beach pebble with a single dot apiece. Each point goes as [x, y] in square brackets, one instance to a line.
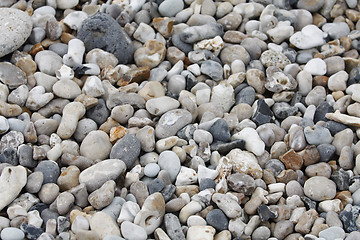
[132, 231]
[170, 8]
[127, 149]
[48, 62]
[310, 36]
[316, 66]
[11, 233]
[113, 38]
[313, 190]
[16, 29]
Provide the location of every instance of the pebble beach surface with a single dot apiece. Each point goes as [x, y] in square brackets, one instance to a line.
[180, 119]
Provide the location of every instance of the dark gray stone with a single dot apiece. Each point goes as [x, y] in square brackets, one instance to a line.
[220, 131]
[321, 110]
[60, 48]
[173, 227]
[275, 166]
[183, 46]
[206, 183]
[9, 155]
[225, 148]
[168, 191]
[126, 149]
[341, 179]
[98, 113]
[334, 127]
[246, 95]
[217, 219]
[265, 213]
[186, 132]
[155, 185]
[354, 76]
[242, 183]
[63, 224]
[102, 31]
[326, 152]
[212, 69]
[31, 232]
[263, 113]
[25, 153]
[50, 170]
[283, 110]
[348, 216]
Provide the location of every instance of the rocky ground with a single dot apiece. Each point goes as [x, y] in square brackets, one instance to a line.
[180, 119]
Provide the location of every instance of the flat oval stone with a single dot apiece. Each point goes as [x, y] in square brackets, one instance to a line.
[102, 31]
[15, 29]
[11, 75]
[95, 176]
[319, 188]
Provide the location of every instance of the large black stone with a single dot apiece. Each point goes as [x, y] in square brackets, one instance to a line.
[102, 31]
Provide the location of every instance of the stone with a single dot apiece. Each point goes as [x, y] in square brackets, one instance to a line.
[110, 227]
[170, 8]
[160, 105]
[319, 188]
[253, 142]
[72, 112]
[200, 232]
[48, 62]
[127, 149]
[173, 227]
[309, 36]
[16, 29]
[169, 161]
[332, 233]
[212, 69]
[113, 38]
[50, 170]
[96, 145]
[316, 67]
[151, 54]
[217, 219]
[103, 196]
[12, 76]
[171, 122]
[12, 180]
[132, 231]
[96, 175]
[10, 233]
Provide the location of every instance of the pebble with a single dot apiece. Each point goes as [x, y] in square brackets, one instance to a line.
[326, 191]
[132, 231]
[12, 233]
[96, 175]
[112, 39]
[17, 26]
[127, 149]
[48, 62]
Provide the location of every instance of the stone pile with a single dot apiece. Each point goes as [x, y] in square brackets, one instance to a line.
[179, 119]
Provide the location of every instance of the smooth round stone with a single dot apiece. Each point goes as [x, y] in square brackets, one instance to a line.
[132, 231]
[310, 5]
[11, 75]
[326, 152]
[169, 8]
[316, 67]
[261, 233]
[15, 29]
[126, 149]
[84, 127]
[160, 105]
[169, 161]
[67, 89]
[217, 219]
[99, 113]
[96, 175]
[336, 30]
[220, 131]
[151, 170]
[11, 233]
[319, 188]
[96, 145]
[48, 62]
[332, 233]
[102, 31]
[310, 36]
[49, 169]
[234, 52]
[212, 69]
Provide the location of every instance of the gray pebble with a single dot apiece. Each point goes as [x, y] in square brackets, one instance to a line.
[126, 149]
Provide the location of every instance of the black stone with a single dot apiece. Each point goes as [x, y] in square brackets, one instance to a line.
[99, 113]
[326, 151]
[168, 191]
[186, 132]
[309, 204]
[220, 131]
[283, 110]
[225, 148]
[173, 227]
[354, 76]
[9, 156]
[217, 219]
[39, 207]
[102, 31]
[321, 110]
[341, 179]
[31, 232]
[240, 87]
[47, 214]
[190, 80]
[246, 95]
[50, 170]
[80, 70]
[206, 183]
[334, 127]
[348, 217]
[155, 185]
[265, 213]
[263, 113]
[126, 149]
